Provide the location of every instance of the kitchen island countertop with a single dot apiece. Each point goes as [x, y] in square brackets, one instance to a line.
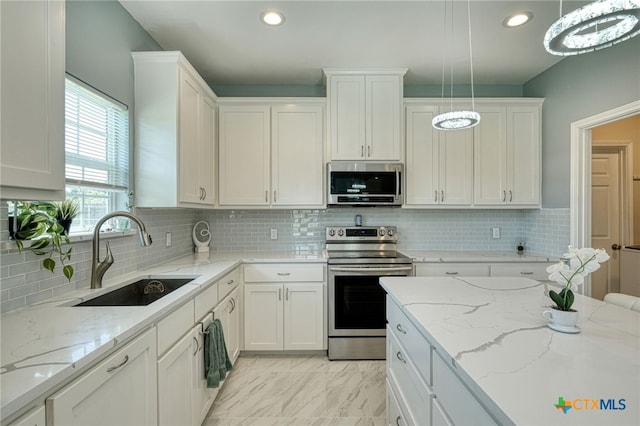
[491, 332]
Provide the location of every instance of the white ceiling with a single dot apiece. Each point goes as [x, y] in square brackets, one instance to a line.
[227, 43]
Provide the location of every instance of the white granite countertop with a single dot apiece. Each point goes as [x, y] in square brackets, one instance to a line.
[493, 333]
[434, 256]
[44, 345]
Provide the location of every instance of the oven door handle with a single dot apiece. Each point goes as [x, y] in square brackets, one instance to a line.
[370, 269]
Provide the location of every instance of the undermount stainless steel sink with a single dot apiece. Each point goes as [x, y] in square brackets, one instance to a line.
[139, 293]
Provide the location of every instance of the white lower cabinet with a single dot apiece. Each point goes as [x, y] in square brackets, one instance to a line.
[202, 396]
[35, 417]
[395, 416]
[283, 315]
[452, 269]
[228, 312]
[175, 381]
[455, 399]
[121, 390]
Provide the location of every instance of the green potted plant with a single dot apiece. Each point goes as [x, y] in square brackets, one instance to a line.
[65, 212]
[36, 221]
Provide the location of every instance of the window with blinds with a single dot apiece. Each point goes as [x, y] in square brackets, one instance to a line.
[97, 153]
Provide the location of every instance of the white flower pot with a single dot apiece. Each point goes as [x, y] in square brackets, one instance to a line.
[564, 321]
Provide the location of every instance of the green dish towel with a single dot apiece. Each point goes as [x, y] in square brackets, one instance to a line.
[216, 359]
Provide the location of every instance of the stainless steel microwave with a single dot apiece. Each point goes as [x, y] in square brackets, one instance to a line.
[364, 184]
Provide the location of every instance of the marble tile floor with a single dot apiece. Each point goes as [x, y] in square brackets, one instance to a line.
[301, 390]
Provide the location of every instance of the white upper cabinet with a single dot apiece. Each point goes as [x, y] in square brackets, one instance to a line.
[439, 164]
[507, 159]
[175, 133]
[271, 153]
[365, 114]
[32, 35]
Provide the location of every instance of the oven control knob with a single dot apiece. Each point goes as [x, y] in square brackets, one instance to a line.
[390, 232]
[332, 232]
[381, 232]
[340, 232]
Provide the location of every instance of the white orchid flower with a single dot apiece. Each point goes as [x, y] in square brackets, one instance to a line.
[560, 266]
[602, 255]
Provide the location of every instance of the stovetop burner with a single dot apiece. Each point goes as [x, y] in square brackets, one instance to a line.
[363, 244]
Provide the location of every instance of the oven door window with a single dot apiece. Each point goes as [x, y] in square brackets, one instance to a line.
[360, 303]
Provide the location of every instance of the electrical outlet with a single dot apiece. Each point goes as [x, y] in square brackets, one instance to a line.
[274, 233]
[496, 233]
[168, 243]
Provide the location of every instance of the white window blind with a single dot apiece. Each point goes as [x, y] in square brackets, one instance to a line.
[96, 153]
[96, 140]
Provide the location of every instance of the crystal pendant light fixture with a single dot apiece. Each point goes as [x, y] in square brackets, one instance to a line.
[461, 119]
[597, 25]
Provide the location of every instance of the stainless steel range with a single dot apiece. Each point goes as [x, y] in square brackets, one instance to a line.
[357, 258]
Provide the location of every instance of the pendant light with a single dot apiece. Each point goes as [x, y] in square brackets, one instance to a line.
[595, 26]
[460, 119]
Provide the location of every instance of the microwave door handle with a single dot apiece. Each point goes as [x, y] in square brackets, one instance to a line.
[397, 183]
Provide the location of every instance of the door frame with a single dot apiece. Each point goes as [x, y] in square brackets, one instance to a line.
[580, 198]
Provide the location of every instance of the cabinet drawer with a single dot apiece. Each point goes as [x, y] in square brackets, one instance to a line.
[395, 414]
[35, 417]
[228, 283]
[535, 271]
[452, 270]
[174, 326]
[284, 272]
[414, 343]
[206, 301]
[456, 400]
[411, 389]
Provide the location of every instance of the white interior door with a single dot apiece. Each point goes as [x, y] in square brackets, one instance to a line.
[605, 218]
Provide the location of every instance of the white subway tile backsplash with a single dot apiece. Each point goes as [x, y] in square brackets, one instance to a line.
[24, 281]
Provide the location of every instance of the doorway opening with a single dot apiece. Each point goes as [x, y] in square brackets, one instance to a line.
[581, 170]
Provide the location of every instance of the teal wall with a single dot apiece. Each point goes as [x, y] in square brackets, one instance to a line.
[576, 88]
[100, 36]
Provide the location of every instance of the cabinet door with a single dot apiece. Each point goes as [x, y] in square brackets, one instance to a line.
[228, 312]
[188, 107]
[347, 117]
[490, 162]
[234, 322]
[32, 99]
[303, 316]
[297, 160]
[263, 319]
[244, 161]
[523, 155]
[121, 390]
[175, 382]
[422, 156]
[455, 150]
[202, 396]
[382, 116]
[206, 157]
[35, 417]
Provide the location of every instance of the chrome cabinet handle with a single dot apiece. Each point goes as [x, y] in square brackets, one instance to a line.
[510, 195]
[266, 196]
[398, 420]
[401, 329]
[361, 150]
[442, 196]
[197, 346]
[435, 196]
[504, 196]
[274, 196]
[229, 282]
[233, 304]
[368, 150]
[126, 359]
[286, 294]
[279, 294]
[451, 273]
[401, 357]
[284, 274]
[526, 273]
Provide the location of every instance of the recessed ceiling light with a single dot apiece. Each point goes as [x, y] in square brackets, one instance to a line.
[272, 18]
[517, 19]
